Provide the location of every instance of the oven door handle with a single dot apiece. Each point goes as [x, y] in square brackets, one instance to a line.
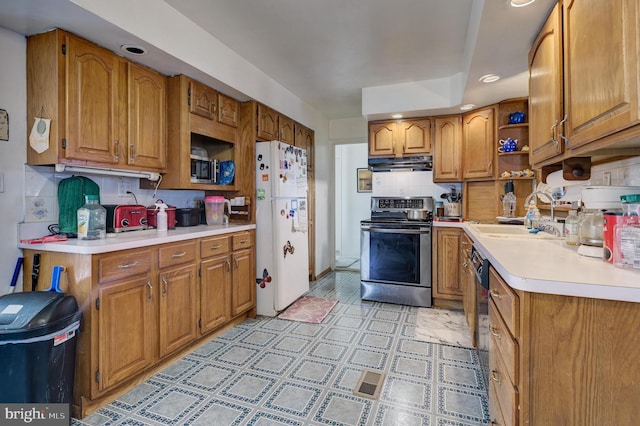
[397, 231]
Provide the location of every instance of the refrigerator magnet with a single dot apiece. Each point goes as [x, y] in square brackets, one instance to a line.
[260, 195]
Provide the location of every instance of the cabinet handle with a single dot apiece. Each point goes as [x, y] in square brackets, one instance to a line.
[128, 265]
[177, 255]
[494, 332]
[495, 294]
[228, 265]
[553, 132]
[235, 262]
[489, 165]
[149, 296]
[217, 246]
[563, 137]
[132, 150]
[464, 243]
[117, 154]
[244, 241]
[164, 286]
[464, 265]
[494, 376]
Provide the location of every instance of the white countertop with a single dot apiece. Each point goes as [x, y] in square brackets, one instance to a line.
[135, 239]
[553, 267]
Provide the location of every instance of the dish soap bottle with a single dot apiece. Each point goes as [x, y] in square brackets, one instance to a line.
[161, 218]
[532, 217]
[92, 219]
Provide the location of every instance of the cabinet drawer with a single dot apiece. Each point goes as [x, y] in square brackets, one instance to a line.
[242, 240]
[495, 411]
[504, 390]
[176, 254]
[124, 265]
[506, 301]
[502, 341]
[214, 246]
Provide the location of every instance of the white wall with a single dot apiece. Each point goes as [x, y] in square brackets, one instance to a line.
[13, 154]
[351, 206]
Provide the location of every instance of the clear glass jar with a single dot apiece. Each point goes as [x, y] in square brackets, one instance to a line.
[92, 219]
[571, 228]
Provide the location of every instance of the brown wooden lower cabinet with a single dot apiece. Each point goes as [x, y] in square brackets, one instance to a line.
[446, 264]
[141, 306]
[561, 360]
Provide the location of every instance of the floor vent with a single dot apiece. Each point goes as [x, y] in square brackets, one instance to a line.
[369, 384]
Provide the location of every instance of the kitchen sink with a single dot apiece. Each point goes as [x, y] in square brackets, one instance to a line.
[510, 231]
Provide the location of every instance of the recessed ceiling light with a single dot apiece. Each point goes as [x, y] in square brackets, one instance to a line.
[489, 78]
[467, 107]
[133, 49]
[521, 3]
[396, 116]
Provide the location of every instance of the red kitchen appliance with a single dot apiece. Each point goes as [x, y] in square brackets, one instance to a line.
[121, 218]
[152, 213]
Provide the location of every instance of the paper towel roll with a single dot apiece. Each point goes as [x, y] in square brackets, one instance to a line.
[556, 180]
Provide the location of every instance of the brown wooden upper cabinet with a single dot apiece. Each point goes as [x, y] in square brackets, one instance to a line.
[400, 138]
[478, 144]
[147, 118]
[273, 126]
[104, 110]
[587, 50]
[447, 150]
[208, 103]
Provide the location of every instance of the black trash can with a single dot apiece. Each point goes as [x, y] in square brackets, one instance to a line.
[38, 347]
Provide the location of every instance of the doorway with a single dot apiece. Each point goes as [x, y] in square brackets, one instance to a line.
[352, 203]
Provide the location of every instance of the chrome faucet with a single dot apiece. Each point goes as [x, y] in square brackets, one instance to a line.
[551, 202]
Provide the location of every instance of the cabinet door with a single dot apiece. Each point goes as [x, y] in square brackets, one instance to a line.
[215, 293]
[286, 133]
[545, 91]
[147, 118]
[94, 82]
[267, 123]
[228, 110]
[244, 281]
[416, 136]
[178, 311]
[446, 155]
[127, 329]
[601, 66]
[478, 140]
[447, 285]
[202, 100]
[381, 139]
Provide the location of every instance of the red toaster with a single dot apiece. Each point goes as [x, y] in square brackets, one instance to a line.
[122, 218]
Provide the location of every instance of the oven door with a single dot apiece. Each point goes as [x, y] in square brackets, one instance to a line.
[396, 255]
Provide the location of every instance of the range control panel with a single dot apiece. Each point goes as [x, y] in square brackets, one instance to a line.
[396, 203]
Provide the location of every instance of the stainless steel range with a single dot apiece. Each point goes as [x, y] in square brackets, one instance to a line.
[395, 251]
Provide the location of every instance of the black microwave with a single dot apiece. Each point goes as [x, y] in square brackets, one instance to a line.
[204, 170]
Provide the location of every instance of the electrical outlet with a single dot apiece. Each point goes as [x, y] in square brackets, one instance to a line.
[607, 178]
[123, 186]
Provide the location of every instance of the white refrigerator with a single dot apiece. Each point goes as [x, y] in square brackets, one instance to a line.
[282, 262]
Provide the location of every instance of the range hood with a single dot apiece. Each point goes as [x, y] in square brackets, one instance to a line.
[390, 164]
[104, 171]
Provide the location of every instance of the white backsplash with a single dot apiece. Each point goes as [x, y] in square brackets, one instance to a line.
[41, 193]
[405, 183]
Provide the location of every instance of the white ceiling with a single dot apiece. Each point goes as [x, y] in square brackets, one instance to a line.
[326, 52]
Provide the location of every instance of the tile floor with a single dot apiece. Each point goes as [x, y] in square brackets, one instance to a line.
[269, 371]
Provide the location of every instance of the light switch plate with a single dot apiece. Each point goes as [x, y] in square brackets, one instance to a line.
[1, 181]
